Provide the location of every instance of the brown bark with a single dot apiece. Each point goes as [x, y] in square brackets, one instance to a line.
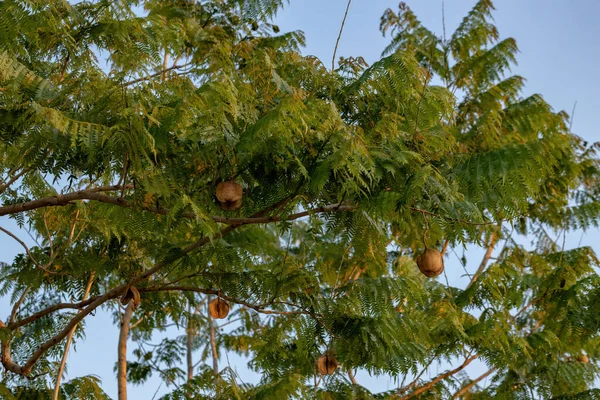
[63, 361]
[337, 42]
[122, 351]
[352, 377]
[94, 194]
[426, 387]
[90, 305]
[58, 200]
[257, 307]
[215, 351]
[213, 347]
[494, 237]
[445, 248]
[190, 347]
[259, 218]
[466, 388]
[12, 180]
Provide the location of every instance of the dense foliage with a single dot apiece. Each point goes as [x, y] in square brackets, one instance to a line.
[118, 120]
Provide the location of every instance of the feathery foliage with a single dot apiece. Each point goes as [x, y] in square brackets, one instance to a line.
[117, 126]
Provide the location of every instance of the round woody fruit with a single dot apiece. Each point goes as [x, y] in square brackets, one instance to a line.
[430, 263]
[327, 364]
[229, 195]
[583, 358]
[218, 308]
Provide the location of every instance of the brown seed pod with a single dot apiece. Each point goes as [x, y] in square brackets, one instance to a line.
[583, 358]
[218, 308]
[431, 263]
[131, 293]
[230, 206]
[327, 364]
[229, 195]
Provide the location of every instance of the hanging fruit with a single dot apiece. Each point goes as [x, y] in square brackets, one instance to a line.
[583, 358]
[327, 364]
[430, 263]
[229, 194]
[131, 293]
[218, 308]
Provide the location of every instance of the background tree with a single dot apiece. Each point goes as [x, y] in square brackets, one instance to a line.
[208, 160]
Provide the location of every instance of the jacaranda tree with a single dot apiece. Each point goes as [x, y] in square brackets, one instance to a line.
[182, 163]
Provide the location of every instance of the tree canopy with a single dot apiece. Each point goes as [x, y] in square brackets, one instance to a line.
[182, 161]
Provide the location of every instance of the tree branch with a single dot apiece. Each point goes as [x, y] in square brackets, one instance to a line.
[17, 305]
[466, 388]
[438, 378]
[12, 180]
[257, 307]
[337, 42]
[414, 382]
[159, 73]
[122, 351]
[57, 200]
[495, 236]
[63, 361]
[96, 194]
[214, 350]
[37, 264]
[352, 377]
[90, 305]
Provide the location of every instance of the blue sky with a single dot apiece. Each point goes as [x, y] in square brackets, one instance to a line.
[559, 56]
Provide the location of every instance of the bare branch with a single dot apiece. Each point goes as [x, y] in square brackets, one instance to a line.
[159, 73]
[63, 361]
[214, 349]
[259, 218]
[257, 307]
[445, 248]
[90, 305]
[17, 305]
[57, 200]
[12, 180]
[466, 388]
[495, 236]
[416, 380]
[50, 243]
[337, 42]
[37, 264]
[352, 377]
[424, 388]
[122, 350]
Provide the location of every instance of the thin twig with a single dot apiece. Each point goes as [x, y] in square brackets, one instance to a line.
[17, 305]
[257, 307]
[438, 378]
[352, 377]
[337, 42]
[494, 237]
[37, 264]
[159, 73]
[12, 180]
[416, 380]
[474, 382]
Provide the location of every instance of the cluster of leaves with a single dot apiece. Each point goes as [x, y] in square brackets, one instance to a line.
[347, 175]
